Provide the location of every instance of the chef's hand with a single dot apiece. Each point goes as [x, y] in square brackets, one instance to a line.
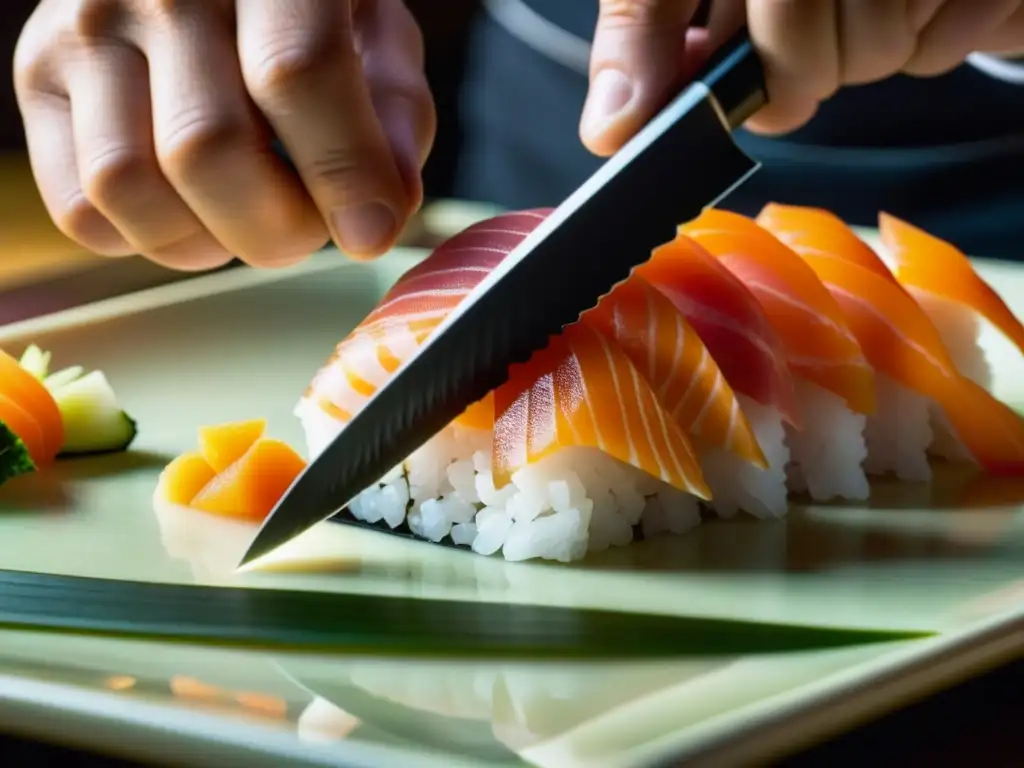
[148, 125]
[644, 49]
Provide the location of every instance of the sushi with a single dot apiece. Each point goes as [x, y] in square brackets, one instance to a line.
[738, 335]
[945, 285]
[572, 454]
[925, 400]
[834, 384]
[744, 360]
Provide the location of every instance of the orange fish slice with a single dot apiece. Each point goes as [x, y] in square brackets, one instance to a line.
[583, 391]
[817, 232]
[728, 319]
[819, 345]
[932, 265]
[901, 342]
[409, 312]
[666, 350]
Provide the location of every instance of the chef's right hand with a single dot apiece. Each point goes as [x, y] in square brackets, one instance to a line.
[149, 125]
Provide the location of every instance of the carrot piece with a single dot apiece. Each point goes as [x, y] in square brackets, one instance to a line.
[27, 391]
[251, 486]
[25, 425]
[224, 444]
[184, 478]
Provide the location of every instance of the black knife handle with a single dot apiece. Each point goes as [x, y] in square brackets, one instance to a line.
[735, 75]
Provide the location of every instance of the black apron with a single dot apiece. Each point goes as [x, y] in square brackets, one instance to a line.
[946, 153]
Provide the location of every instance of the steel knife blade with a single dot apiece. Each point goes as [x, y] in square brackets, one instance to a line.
[683, 161]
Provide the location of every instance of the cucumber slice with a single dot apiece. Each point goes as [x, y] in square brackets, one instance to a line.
[14, 458]
[93, 419]
[63, 377]
[35, 361]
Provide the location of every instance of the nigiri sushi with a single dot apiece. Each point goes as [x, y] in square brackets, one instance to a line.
[737, 333]
[924, 403]
[834, 383]
[573, 453]
[945, 285]
[915, 379]
[659, 341]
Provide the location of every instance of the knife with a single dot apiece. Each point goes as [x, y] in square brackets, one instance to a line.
[683, 161]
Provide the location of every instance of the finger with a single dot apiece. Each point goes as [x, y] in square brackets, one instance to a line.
[875, 40]
[637, 56]
[953, 31]
[302, 68]
[117, 165]
[798, 42]
[393, 61]
[1008, 37]
[213, 149]
[51, 147]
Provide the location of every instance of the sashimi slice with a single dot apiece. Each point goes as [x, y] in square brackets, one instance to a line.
[222, 445]
[915, 371]
[818, 343]
[945, 284]
[406, 316]
[582, 391]
[666, 350]
[26, 390]
[816, 232]
[728, 319]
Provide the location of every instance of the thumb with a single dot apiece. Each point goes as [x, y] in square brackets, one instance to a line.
[636, 59]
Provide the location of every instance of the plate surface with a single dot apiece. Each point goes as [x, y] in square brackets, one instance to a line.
[244, 344]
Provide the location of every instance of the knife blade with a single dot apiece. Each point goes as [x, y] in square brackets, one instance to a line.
[681, 162]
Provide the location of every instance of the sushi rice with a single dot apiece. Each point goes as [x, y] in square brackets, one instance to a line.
[575, 501]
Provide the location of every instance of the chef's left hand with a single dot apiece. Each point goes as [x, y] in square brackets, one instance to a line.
[644, 49]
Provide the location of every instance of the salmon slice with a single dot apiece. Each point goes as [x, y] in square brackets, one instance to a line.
[932, 265]
[819, 345]
[224, 444]
[583, 391]
[729, 321]
[27, 391]
[817, 232]
[666, 350]
[26, 427]
[901, 342]
[410, 311]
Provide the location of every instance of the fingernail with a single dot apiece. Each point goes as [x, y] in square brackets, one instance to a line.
[365, 228]
[610, 93]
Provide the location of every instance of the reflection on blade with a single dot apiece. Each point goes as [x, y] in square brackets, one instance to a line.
[353, 623]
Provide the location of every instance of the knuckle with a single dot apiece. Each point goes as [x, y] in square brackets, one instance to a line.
[196, 137]
[288, 61]
[115, 175]
[91, 20]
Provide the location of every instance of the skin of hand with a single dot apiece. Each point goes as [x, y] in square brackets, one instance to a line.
[149, 125]
[644, 50]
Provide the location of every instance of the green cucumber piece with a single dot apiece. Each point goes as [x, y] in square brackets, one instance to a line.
[63, 377]
[14, 458]
[93, 419]
[35, 361]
